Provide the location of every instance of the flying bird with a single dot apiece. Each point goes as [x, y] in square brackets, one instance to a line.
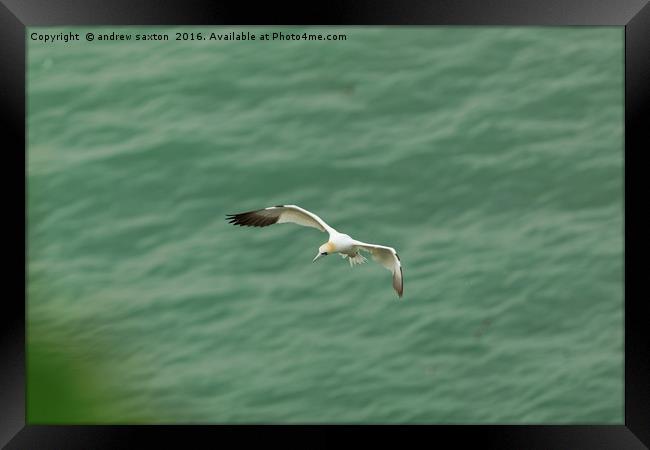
[338, 242]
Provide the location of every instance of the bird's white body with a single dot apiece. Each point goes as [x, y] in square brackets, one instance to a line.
[337, 243]
[343, 243]
[345, 246]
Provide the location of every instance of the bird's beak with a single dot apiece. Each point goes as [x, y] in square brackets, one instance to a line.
[318, 255]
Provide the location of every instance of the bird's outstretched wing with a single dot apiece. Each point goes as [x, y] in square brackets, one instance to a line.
[387, 257]
[279, 214]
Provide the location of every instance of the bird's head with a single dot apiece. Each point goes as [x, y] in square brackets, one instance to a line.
[324, 250]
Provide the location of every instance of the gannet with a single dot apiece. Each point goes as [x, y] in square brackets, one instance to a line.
[337, 243]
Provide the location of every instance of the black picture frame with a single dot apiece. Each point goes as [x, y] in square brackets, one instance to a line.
[16, 15]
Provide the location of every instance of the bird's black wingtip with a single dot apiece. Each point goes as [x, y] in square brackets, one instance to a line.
[232, 219]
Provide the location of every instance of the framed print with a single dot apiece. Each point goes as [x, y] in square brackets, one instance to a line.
[176, 164]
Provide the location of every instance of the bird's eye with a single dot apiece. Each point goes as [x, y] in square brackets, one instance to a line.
[324, 254]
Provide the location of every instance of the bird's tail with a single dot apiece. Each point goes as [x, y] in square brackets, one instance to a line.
[356, 259]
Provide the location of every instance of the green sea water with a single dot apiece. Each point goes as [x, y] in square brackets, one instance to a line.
[491, 158]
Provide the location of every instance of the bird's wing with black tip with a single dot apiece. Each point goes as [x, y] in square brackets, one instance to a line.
[387, 257]
[278, 214]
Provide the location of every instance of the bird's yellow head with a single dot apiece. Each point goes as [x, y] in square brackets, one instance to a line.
[324, 250]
